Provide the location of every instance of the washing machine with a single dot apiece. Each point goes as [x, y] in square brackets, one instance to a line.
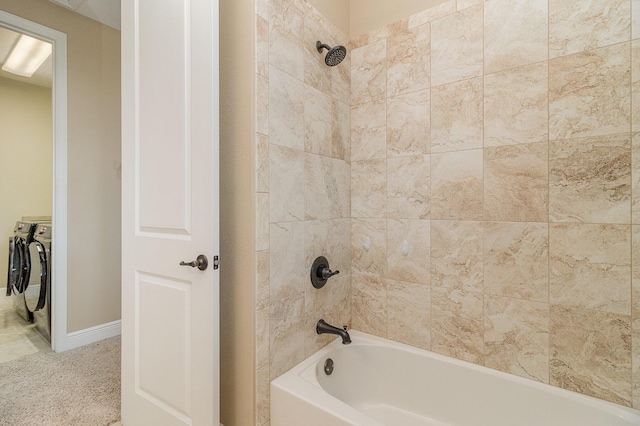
[37, 292]
[20, 266]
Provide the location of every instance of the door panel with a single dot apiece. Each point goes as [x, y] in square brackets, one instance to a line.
[154, 296]
[164, 180]
[170, 337]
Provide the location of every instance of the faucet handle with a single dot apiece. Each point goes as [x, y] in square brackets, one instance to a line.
[327, 273]
[320, 272]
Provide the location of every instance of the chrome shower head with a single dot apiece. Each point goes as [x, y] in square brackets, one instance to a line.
[335, 55]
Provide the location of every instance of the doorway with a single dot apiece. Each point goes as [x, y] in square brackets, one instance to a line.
[59, 168]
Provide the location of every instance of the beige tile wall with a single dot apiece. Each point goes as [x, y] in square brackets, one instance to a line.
[303, 187]
[472, 171]
[494, 140]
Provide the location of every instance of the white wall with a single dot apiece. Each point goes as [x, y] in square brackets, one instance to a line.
[25, 157]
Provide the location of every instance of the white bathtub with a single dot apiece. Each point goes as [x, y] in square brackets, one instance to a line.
[378, 382]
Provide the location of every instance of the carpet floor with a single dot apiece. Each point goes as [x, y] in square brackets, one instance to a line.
[77, 387]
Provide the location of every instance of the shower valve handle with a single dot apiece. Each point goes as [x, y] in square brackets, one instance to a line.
[328, 273]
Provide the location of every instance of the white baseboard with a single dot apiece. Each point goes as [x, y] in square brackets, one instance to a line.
[93, 334]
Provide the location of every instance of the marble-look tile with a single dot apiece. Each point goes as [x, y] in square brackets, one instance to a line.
[262, 337]
[589, 93]
[635, 178]
[263, 259]
[262, 221]
[262, 9]
[331, 239]
[515, 33]
[262, 47]
[368, 73]
[341, 76]
[635, 22]
[334, 81]
[516, 106]
[635, 362]
[408, 124]
[456, 116]
[380, 33]
[456, 255]
[317, 121]
[340, 130]
[635, 84]
[635, 272]
[369, 131]
[590, 180]
[591, 353]
[516, 259]
[369, 304]
[456, 46]
[457, 327]
[331, 303]
[445, 8]
[408, 248]
[408, 187]
[463, 4]
[577, 26]
[516, 183]
[262, 163]
[286, 325]
[369, 188]
[635, 313]
[408, 61]
[369, 246]
[286, 177]
[409, 311]
[456, 185]
[316, 73]
[327, 188]
[590, 266]
[286, 109]
[262, 395]
[262, 105]
[516, 336]
[286, 26]
[287, 270]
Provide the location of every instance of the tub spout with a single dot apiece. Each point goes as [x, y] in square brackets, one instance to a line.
[322, 327]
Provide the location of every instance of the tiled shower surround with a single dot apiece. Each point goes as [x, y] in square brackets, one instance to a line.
[486, 204]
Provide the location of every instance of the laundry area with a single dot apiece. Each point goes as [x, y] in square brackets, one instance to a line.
[26, 146]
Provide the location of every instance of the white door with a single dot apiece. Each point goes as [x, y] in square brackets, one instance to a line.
[170, 333]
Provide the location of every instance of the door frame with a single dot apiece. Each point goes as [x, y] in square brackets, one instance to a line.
[59, 186]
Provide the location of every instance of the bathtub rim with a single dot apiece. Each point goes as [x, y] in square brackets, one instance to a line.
[311, 391]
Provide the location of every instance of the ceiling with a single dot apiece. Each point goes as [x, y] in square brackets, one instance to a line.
[42, 77]
[104, 11]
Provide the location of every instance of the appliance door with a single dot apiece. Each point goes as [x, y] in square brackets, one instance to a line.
[35, 292]
[19, 267]
[11, 266]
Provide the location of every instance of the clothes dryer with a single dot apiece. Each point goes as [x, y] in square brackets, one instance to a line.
[19, 267]
[38, 289]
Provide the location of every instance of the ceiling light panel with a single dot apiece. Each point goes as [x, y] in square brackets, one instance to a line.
[27, 56]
